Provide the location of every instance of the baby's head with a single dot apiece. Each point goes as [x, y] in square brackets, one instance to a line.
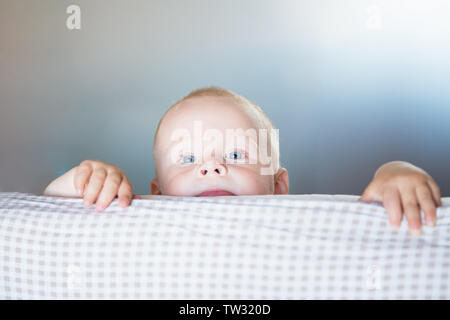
[215, 142]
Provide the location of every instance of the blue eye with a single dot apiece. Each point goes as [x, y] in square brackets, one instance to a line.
[188, 159]
[235, 155]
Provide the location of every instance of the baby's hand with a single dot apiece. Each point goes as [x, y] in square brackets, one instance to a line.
[101, 182]
[402, 188]
[94, 180]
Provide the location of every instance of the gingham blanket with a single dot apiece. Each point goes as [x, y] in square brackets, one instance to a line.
[248, 247]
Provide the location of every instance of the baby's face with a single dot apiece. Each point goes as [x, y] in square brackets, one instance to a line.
[194, 157]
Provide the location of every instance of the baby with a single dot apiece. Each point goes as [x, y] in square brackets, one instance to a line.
[215, 142]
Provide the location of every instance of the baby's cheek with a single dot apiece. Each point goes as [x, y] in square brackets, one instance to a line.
[249, 181]
[180, 184]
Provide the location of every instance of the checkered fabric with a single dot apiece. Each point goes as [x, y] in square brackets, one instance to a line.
[246, 247]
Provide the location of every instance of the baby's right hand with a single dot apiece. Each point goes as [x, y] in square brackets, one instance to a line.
[101, 182]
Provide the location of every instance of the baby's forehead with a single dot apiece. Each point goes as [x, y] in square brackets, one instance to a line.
[212, 108]
[218, 113]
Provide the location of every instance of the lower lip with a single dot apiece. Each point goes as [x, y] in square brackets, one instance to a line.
[215, 193]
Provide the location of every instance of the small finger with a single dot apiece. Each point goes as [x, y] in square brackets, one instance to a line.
[371, 194]
[125, 193]
[365, 196]
[424, 195]
[94, 186]
[109, 190]
[411, 210]
[81, 177]
[393, 204]
[436, 192]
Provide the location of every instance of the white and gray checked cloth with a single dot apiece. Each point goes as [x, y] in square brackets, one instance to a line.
[246, 247]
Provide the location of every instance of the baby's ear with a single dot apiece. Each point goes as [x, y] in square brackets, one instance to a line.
[281, 181]
[154, 187]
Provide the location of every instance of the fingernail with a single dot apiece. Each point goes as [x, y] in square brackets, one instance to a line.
[415, 232]
[86, 203]
[80, 192]
[123, 202]
[99, 207]
[394, 227]
[431, 222]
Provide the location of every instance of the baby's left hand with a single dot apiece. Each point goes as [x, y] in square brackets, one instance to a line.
[404, 188]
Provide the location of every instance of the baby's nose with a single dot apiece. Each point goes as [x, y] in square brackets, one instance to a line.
[212, 168]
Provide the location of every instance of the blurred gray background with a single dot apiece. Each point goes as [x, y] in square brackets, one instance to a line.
[350, 84]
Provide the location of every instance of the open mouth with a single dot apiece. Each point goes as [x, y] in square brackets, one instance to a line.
[215, 193]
